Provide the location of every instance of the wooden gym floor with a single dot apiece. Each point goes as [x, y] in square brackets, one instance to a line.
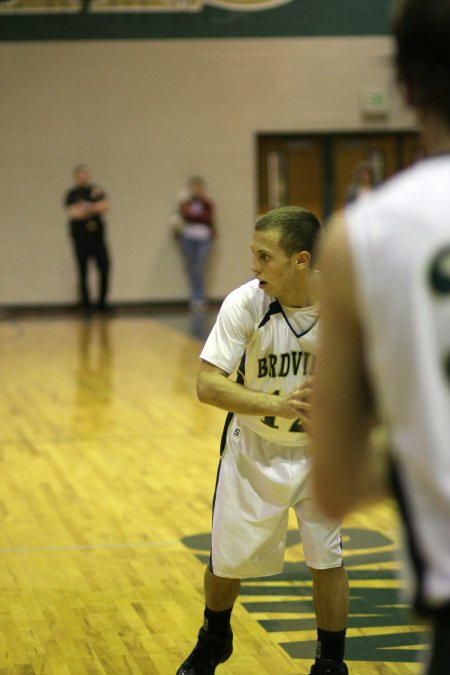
[107, 468]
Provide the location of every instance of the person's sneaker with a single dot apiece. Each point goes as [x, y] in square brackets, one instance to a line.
[207, 654]
[328, 667]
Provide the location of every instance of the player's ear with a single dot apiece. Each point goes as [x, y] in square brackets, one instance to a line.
[303, 259]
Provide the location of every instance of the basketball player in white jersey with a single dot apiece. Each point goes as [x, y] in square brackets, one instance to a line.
[266, 330]
[385, 333]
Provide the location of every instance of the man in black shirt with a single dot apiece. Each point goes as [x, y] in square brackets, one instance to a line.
[85, 204]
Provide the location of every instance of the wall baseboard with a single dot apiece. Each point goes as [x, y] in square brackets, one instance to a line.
[134, 308]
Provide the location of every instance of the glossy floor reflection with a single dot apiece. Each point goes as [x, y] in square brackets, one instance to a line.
[107, 472]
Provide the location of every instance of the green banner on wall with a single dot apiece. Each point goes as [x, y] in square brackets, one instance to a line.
[165, 19]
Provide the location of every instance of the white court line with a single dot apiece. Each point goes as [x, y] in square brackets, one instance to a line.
[93, 547]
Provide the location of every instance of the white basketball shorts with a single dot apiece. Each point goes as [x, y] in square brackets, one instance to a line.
[258, 481]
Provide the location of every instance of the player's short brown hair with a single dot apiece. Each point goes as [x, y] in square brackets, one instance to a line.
[299, 228]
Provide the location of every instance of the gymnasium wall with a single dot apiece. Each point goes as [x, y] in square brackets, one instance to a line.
[145, 115]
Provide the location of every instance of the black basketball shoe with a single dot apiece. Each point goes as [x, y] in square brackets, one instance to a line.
[207, 654]
[328, 667]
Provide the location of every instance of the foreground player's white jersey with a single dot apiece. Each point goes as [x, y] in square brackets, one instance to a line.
[400, 242]
[273, 346]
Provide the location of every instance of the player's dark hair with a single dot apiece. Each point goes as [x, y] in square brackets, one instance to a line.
[299, 228]
[422, 33]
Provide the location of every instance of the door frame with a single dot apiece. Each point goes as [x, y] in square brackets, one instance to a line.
[405, 140]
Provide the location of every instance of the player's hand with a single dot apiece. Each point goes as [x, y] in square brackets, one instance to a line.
[299, 401]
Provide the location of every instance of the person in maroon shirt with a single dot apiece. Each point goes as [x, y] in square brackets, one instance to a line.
[195, 238]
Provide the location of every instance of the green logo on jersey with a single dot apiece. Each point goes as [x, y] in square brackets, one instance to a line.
[282, 365]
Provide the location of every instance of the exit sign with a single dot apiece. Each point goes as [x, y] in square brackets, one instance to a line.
[375, 102]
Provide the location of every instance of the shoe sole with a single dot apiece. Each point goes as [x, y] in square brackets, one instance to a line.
[224, 658]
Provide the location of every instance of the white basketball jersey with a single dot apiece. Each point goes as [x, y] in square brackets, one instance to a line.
[400, 242]
[273, 346]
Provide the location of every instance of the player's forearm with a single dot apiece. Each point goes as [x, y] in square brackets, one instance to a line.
[373, 483]
[228, 395]
[350, 474]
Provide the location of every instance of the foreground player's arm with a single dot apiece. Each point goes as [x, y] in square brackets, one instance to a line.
[215, 387]
[346, 472]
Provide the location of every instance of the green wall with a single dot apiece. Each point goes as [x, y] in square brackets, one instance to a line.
[303, 18]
